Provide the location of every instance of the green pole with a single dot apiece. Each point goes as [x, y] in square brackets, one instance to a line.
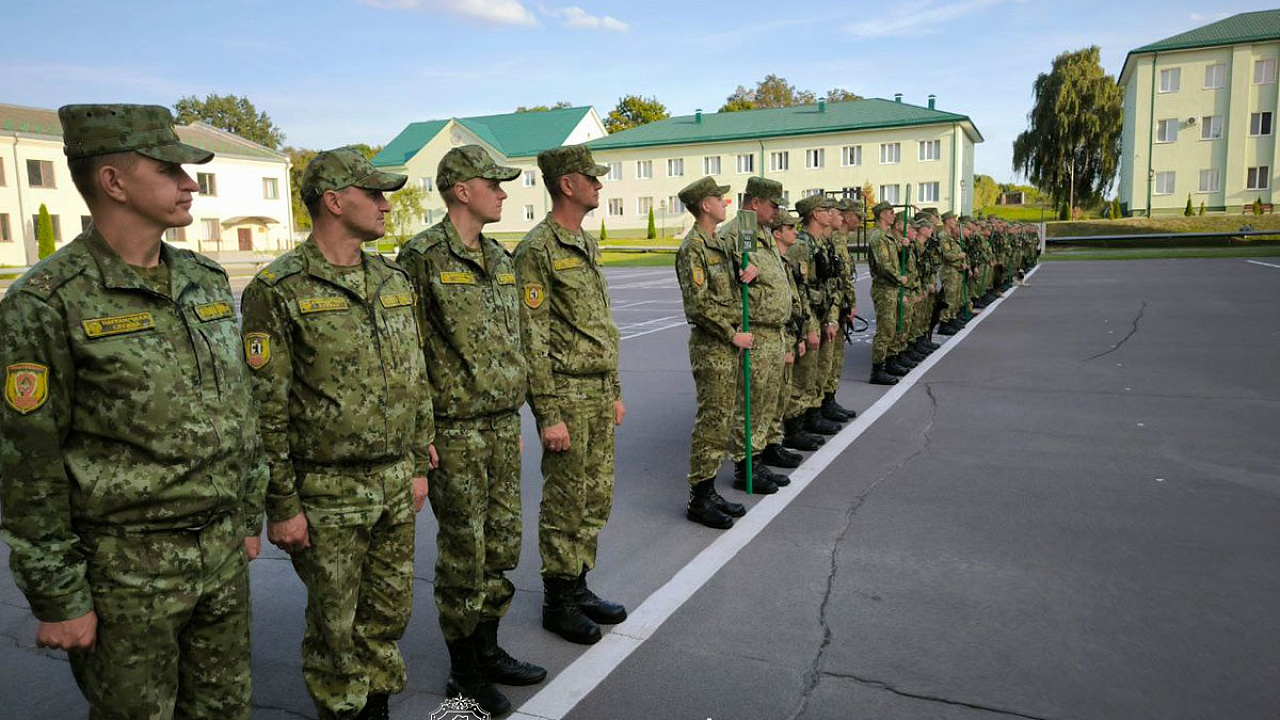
[902, 255]
[747, 236]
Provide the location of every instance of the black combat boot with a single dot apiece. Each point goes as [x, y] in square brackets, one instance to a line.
[703, 509]
[911, 357]
[796, 438]
[561, 614]
[466, 679]
[927, 341]
[848, 412]
[762, 468]
[832, 411]
[894, 366]
[815, 423]
[375, 708]
[732, 509]
[604, 612]
[880, 377]
[775, 455]
[497, 665]
[760, 483]
[949, 327]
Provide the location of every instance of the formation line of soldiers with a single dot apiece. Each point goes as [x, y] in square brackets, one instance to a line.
[145, 432]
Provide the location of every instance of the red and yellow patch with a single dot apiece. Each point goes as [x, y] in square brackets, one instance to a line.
[534, 295]
[257, 350]
[699, 275]
[26, 386]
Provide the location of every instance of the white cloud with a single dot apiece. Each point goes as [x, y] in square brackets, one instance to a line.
[575, 17]
[918, 17]
[491, 12]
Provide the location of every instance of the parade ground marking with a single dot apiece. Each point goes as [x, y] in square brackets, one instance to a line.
[1264, 264]
[576, 681]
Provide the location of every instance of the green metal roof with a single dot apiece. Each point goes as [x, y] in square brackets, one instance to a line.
[866, 114]
[1235, 30]
[522, 134]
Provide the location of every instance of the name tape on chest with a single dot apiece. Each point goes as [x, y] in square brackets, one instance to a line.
[394, 300]
[457, 278]
[566, 263]
[322, 304]
[118, 324]
[214, 311]
[506, 278]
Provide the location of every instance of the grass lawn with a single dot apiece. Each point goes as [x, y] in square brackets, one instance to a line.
[1137, 225]
[1160, 253]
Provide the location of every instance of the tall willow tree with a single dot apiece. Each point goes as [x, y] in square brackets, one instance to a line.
[1071, 148]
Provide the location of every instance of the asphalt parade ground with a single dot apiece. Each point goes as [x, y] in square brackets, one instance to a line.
[1070, 511]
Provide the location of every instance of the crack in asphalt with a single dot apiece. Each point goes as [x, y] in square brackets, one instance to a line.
[1141, 311]
[879, 684]
[816, 672]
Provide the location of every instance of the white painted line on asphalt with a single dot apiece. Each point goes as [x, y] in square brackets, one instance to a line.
[559, 696]
[1259, 262]
[631, 305]
[680, 321]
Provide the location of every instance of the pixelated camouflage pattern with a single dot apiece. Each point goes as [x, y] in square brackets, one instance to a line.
[342, 168]
[707, 271]
[557, 162]
[467, 162]
[716, 370]
[143, 430]
[698, 190]
[767, 391]
[346, 382]
[765, 189]
[359, 578]
[952, 274]
[768, 296]
[91, 130]
[470, 316]
[571, 331]
[886, 279]
[475, 496]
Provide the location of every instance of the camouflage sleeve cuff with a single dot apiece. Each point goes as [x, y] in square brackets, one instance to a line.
[283, 507]
[58, 608]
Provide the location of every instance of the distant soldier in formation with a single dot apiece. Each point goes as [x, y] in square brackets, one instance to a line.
[955, 266]
[816, 281]
[889, 283]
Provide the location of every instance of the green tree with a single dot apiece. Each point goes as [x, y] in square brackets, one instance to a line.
[1188, 210]
[406, 208]
[45, 239]
[653, 227]
[1202, 207]
[771, 92]
[1071, 147]
[231, 113]
[835, 95]
[985, 191]
[298, 159]
[369, 151]
[634, 111]
[544, 108]
[603, 234]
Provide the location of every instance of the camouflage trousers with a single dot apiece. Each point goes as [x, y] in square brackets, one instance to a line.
[173, 625]
[885, 342]
[767, 362]
[577, 484]
[804, 378]
[475, 496]
[359, 577]
[715, 378]
[776, 433]
[953, 291]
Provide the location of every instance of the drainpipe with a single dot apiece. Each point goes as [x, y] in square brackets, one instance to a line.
[21, 225]
[956, 145]
[761, 141]
[1151, 133]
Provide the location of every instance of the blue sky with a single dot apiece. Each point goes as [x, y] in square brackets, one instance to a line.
[332, 72]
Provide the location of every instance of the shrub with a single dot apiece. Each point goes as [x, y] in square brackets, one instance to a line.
[1189, 211]
[604, 235]
[45, 245]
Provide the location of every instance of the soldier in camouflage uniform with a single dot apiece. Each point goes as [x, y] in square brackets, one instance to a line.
[331, 335]
[571, 349]
[769, 305]
[955, 267]
[709, 284]
[888, 284]
[470, 316]
[813, 242]
[849, 214]
[802, 333]
[132, 472]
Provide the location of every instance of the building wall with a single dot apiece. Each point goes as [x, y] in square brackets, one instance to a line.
[1185, 157]
[239, 185]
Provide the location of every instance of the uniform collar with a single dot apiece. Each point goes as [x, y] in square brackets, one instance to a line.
[118, 274]
[461, 252]
[315, 264]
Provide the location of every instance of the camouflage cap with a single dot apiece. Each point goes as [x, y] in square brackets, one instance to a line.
[852, 205]
[470, 161]
[922, 220]
[92, 130]
[806, 206]
[695, 192]
[881, 207]
[765, 189]
[341, 168]
[786, 218]
[558, 162]
[947, 215]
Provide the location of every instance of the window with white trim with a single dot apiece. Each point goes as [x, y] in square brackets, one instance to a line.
[930, 150]
[427, 184]
[1165, 184]
[815, 158]
[208, 184]
[674, 205]
[1258, 178]
[711, 165]
[1211, 127]
[1260, 123]
[1210, 181]
[175, 235]
[615, 207]
[890, 153]
[57, 226]
[2, 180]
[270, 188]
[528, 212]
[529, 178]
[6, 232]
[779, 161]
[811, 192]
[889, 194]
[615, 171]
[745, 163]
[675, 167]
[851, 155]
[644, 205]
[40, 174]
[1167, 130]
[930, 191]
[1170, 80]
[1215, 76]
[644, 169]
[210, 230]
[1264, 71]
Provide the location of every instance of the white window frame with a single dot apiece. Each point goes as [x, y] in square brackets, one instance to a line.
[1215, 76]
[209, 187]
[675, 167]
[810, 192]
[934, 191]
[745, 163]
[930, 150]
[1210, 180]
[1167, 130]
[711, 165]
[674, 205]
[1211, 127]
[616, 208]
[210, 230]
[1170, 80]
[644, 205]
[1261, 124]
[529, 178]
[851, 156]
[529, 212]
[6, 230]
[615, 171]
[426, 184]
[48, 180]
[885, 191]
[644, 169]
[815, 158]
[779, 161]
[270, 188]
[890, 153]
[1166, 183]
[1264, 71]
[1258, 178]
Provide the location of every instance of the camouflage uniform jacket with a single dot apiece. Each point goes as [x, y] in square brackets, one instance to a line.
[339, 380]
[799, 271]
[709, 285]
[125, 411]
[566, 323]
[848, 278]
[769, 295]
[470, 318]
[886, 261]
[953, 256]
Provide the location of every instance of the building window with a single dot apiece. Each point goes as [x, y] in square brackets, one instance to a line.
[890, 153]
[40, 174]
[644, 169]
[85, 222]
[57, 226]
[889, 194]
[930, 192]
[1260, 123]
[815, 158]
[851, 155]
[674, 205]
[711, 165]
[1211, 127]
[810, 192]
[786, 197]
[426, 183]
[779, 161]
[1259, 178]
[1210, 181]
[1167, 130]
[208, 184]
[742, 198]
[615, 171]
[745, 163]
[211, 230]
[1264, 71]
[675, 167]
[1215, 76]
[2, 182]
[528, 212]
[644, 205]
[529, 178]
[1165, 183]
[270, 189]
[615, 207]
[6, 234]
[1170, 80]
[930, 150]
[175, 235]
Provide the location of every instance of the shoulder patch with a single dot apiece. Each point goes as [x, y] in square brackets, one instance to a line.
[534, 294]
[257, 349]
[321, 304]
[26, 386]
[699, 275]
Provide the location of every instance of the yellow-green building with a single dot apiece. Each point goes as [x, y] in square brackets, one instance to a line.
[1199, 118]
